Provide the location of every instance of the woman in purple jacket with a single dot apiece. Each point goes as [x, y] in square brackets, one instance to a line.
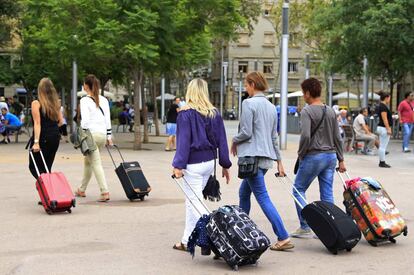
[200, 132]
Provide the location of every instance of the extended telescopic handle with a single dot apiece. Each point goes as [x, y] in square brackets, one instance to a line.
[110, 154]
[35, 164]
[195, 194]
[342, 178]
[284, 180]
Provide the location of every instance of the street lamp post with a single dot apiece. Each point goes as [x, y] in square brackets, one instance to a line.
[284, 76]
[330, 90]
[307, 69]
[221, 79]
[365, 83]
[162, 98]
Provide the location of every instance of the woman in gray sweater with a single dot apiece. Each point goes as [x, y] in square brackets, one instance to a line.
[258, 138]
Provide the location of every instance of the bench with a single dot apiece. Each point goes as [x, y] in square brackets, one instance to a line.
[349, 134]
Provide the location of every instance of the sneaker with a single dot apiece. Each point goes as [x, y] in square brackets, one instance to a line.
[383, 165]
[302, 233]
[406, 150]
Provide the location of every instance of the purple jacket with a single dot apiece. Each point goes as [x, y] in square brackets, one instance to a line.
[193, 145]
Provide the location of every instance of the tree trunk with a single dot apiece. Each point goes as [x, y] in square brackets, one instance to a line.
[104, 80]
[144, 111]
[137, 76]
[154, 101]
[392, 83]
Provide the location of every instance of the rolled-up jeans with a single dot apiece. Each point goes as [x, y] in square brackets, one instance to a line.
[407, 131]
[384, 138]
[93, 163]
[258, 187]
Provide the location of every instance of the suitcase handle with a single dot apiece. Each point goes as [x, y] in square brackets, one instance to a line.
[284, 180]
[119, 151]
[192, 190]
[34, 162]
[342, 178]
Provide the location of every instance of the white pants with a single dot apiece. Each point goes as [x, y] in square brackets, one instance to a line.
[384, 138]
[197, 176]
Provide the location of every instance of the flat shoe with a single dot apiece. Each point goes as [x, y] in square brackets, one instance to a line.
[103, 198]
[181, 247]
[79, 193]
[278, 247]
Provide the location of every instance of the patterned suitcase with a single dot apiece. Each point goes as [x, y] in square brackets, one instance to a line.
[236, 237]
[233, 235]
[373, 210]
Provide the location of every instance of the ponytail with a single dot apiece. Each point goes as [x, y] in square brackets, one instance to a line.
[93, 83]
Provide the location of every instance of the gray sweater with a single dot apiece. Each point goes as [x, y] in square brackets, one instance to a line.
[258, 129]
[327, 137]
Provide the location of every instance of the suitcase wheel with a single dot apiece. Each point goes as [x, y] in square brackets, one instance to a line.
[74, 203]
[48, 211]
[334, 251]
[405, 232]
[235, 268]
[53, 204]
[142, 198]
[69, 211]
[392, 240]
[349, 249]
[375, 244]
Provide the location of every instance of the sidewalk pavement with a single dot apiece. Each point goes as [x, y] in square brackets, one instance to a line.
[122, 237]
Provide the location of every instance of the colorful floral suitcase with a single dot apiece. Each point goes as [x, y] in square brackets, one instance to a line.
[373, 210]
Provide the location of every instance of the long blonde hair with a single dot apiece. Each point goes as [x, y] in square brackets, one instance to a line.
[49, 99]
[197, 98]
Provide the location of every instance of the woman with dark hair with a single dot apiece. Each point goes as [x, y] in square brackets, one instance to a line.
[95, 116]
[320, 148]
[257, 137]
[46, 121]
[384, 127]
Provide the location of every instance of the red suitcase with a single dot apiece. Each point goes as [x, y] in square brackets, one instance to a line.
[54, 190]
[373, 210]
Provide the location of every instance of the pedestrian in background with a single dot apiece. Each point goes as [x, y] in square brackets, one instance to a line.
[319, 149]
[171, 126]
[200, 132]
[257, 137]
[384, 127]
[406, 114]
[95, 116]
[64, 128]
[47, 118]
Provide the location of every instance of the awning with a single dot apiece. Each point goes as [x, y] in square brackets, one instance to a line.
[344, 95]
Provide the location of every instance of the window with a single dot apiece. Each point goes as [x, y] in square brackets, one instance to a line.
[268, 67]
[243, 39]
[292, 67]
[243, 66]
[294, 40]
[266, 13]
[269, 39]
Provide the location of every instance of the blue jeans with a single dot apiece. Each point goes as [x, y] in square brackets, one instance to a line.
[407, 131]
[258, 187]
[321, 165]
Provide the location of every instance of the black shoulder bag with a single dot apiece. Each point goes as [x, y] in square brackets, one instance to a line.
[212, 189]
[295, 170]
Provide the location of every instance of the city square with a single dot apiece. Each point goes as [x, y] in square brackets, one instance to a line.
[123, 237]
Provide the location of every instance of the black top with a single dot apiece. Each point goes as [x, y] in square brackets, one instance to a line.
[172, 113]
[48, 127]
[384, 108]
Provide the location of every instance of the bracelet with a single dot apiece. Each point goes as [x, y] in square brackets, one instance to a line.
[36, 141]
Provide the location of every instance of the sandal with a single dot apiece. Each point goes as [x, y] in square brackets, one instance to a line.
[104, 197]
[282, 247]
[79, 193]
[181, 247]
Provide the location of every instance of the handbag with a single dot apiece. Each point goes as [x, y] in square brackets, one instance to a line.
[248, 167]
[212, 189]
[297, 163]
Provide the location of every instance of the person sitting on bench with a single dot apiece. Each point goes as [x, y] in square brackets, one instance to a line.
[11, 123]
[362, 132]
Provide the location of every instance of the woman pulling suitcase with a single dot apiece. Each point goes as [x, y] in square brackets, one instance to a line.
[200, 132]
[257, 141]
[95, 116]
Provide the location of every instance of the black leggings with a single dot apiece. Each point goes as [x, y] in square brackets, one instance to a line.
[49, 146]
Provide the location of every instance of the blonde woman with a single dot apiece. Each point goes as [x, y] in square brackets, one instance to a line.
[46, 121]
[95, 116]
[196, 151]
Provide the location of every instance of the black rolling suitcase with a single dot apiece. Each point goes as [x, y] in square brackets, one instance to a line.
[132, 178]
[336, 230]
[233, 235]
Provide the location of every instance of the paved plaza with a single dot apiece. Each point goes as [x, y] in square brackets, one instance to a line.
[123, 237]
